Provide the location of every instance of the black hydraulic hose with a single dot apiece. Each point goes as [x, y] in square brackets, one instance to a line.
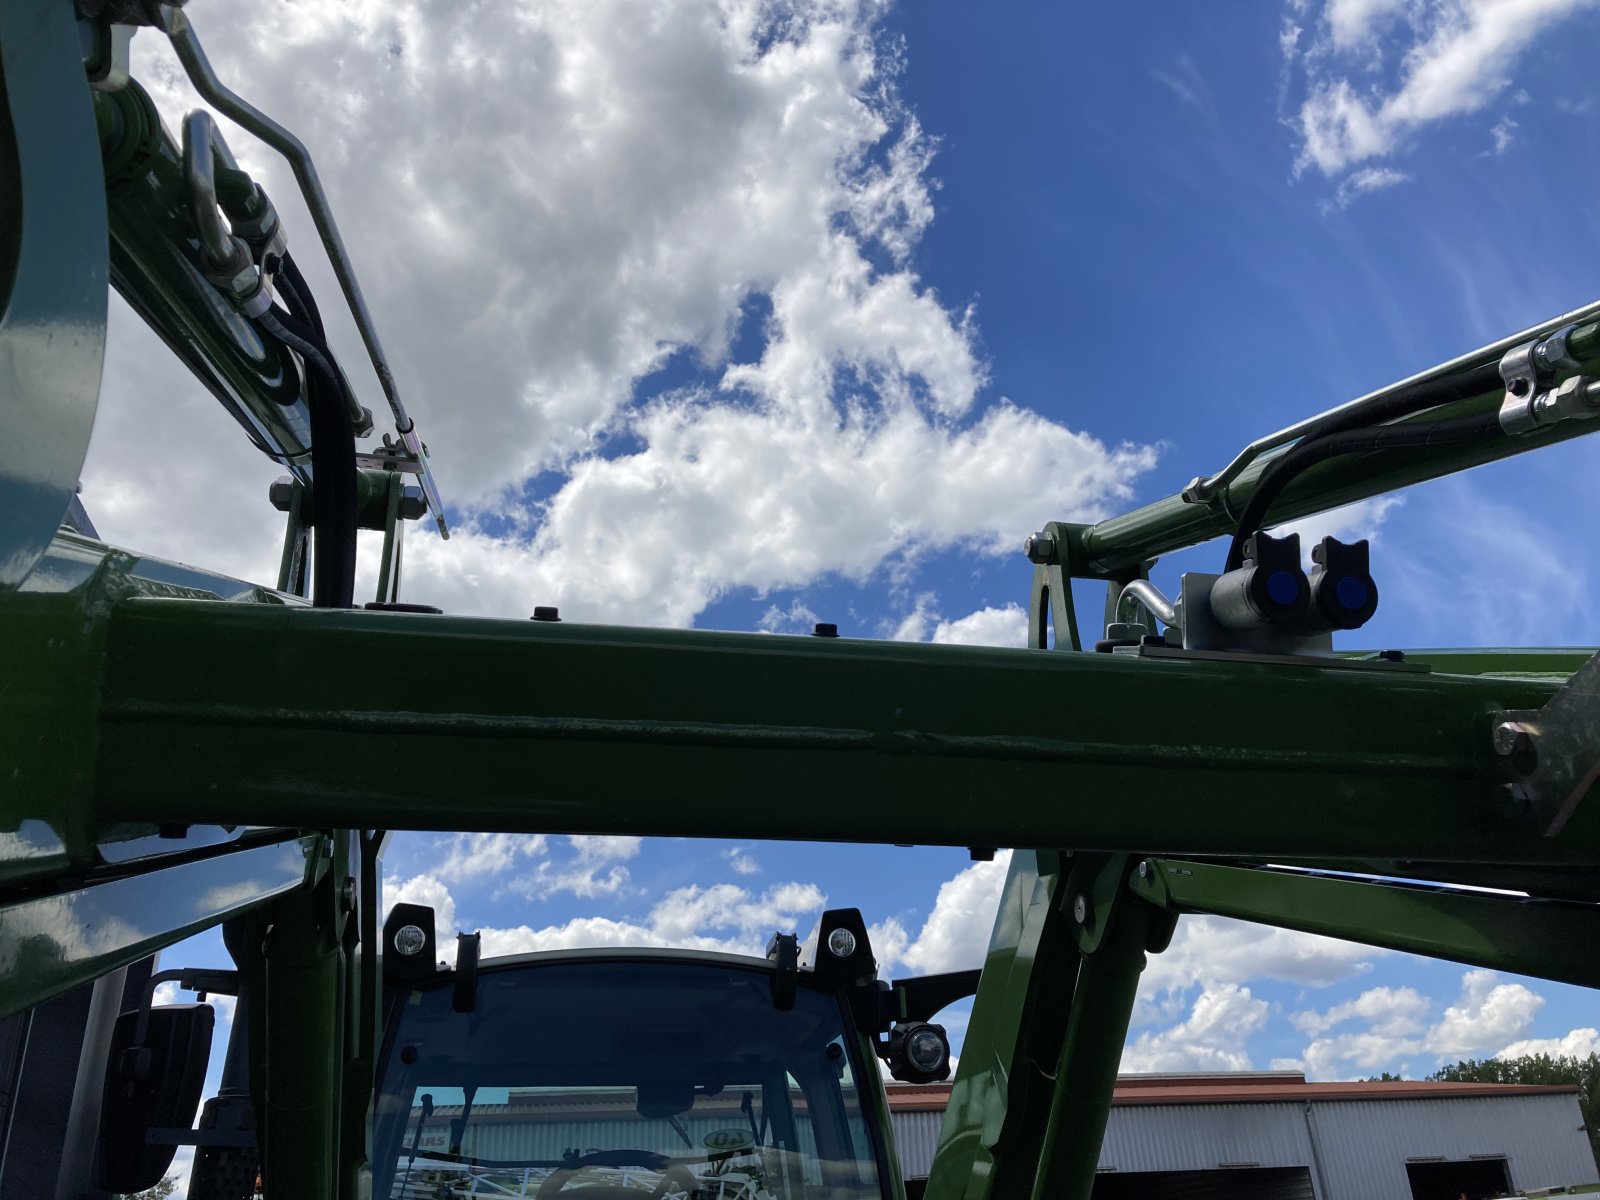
[1319, 448]
[1403, 402]
[333, 463]
[305, 306]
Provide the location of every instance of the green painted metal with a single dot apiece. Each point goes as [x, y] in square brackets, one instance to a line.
[827, 733]
[1118, 543]
[1091, 1050]
[1543, 938]
[146, 700]
[301, 1118]
[52, 276]
[55, 941]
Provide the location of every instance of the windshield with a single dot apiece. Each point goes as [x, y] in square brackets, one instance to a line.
[608, 1080]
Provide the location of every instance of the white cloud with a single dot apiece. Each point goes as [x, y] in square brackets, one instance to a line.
[1366, 181]
[1004, 626]
[955, 937]
[593, 869]
[1007, 626]
[1211, 1038]
[1504, 133]
[1455, 57]
[472, 854]
[722, 917]
[1354, 22]
[1487, 1014]
[1392, 1011]
[1211, 951]
[742, 863]
[624, 193]
[424, 889]
[1577, 1043]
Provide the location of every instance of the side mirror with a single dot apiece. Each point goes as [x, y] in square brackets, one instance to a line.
[153, 1082]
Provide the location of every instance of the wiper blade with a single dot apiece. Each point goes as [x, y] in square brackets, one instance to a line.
[467, 1160]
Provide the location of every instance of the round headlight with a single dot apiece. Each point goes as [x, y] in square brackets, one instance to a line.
[926, 1050]
[841, 943]
[409, 940]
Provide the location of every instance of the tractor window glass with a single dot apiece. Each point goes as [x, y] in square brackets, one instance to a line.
[613, 1080]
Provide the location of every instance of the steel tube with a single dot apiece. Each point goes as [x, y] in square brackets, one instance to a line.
[202, 146]
[1142, 591]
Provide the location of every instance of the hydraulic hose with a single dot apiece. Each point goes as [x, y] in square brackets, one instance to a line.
[1319, 447]
[333, 463]
[294, 286]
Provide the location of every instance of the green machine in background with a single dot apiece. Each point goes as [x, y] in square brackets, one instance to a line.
[149, 789]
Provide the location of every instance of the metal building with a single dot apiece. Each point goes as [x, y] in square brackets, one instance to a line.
[1273, 1136]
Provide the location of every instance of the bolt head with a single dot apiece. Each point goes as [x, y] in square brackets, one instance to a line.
[1144, 869]
[1082, 910]
[1040, 548]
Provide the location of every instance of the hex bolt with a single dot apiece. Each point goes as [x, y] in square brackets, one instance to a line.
[1391, 656]
[1040, 548]
[825, 629]
[546, 612]
[1082, 909]
[1516, 743]
[1144, 868]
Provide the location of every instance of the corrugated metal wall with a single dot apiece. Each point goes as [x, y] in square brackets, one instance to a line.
[1363, 1144]
[916, 1136]
[1192, 1137]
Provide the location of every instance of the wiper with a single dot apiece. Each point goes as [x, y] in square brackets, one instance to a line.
[416, 1138]
[458, 1127]
[677, 1125]
[747, 1107]
[467, 1160]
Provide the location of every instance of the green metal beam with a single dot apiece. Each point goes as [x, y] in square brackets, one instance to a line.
[214, 713]
[1545, 939]
[1091, 1051]
[1000, 1101]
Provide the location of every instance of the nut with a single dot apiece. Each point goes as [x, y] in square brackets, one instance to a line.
[1040, 548]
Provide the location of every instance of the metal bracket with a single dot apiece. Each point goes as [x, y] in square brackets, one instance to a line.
[1528, 371]
[394, 530]
[1050, 603]
[1552, 754]
[292, 573]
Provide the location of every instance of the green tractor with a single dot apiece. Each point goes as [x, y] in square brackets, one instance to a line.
[151, 788]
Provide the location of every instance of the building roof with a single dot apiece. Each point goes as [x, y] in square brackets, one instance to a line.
[1264, 1087]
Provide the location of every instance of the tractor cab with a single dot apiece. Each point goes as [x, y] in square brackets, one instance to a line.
[621, 1074]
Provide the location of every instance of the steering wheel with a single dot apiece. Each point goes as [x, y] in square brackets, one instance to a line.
[673, 1178]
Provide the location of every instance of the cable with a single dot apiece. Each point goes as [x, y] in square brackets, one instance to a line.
[1367, 419]
[289, 271]
[1307, 453]
[333, 463]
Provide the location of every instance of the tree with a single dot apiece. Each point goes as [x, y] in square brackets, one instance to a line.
[1538, 1068]
[161, 1191]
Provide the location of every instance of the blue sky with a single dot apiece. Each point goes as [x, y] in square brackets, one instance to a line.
[744, 317]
